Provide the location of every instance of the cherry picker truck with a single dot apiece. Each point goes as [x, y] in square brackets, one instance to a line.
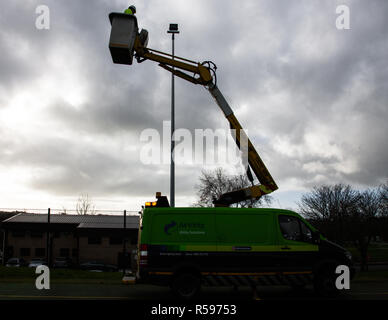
[187, 248]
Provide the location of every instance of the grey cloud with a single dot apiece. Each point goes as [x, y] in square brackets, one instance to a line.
[259, 52]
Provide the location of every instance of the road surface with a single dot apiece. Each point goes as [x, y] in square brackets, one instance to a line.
[373, 290]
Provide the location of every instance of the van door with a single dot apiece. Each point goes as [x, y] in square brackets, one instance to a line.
[244, 240]
[298, 251]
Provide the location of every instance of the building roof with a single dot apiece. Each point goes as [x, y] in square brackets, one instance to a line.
[83, 221]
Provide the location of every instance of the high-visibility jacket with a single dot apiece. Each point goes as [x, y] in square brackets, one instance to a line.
[128, 11]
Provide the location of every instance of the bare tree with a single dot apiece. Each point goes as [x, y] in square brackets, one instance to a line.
[383, 191]
[383, 225]
[212, 184]
[85, 205]
[362, 224]
[330, 205]
[345, 214]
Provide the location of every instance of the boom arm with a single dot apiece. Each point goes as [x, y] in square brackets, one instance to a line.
[197, 73]
[268, 184]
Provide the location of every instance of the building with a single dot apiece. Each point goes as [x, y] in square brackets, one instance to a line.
[82, 238]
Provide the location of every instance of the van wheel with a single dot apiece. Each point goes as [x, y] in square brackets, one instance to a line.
[324, 284]
[298, 287]
[186, 285]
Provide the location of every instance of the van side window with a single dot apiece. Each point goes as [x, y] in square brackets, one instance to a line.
[290, 228]
[294, 229]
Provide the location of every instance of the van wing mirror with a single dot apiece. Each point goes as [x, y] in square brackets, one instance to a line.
[316, 236]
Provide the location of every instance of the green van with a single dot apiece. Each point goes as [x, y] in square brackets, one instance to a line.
[187, 248]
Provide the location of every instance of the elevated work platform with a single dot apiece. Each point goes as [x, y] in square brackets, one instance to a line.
[122, 37]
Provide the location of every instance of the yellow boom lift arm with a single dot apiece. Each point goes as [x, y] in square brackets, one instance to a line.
[126, 42]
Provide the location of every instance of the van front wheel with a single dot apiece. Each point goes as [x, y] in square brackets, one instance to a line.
[186, 285]
[324, 284]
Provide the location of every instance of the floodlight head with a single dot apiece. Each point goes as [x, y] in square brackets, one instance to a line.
[173, 28]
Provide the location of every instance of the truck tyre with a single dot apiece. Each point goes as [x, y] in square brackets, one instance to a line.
[186, 285]
[298, 287]
[324, 282]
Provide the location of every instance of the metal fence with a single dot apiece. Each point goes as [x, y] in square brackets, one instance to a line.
[6, 213]
[66, 211]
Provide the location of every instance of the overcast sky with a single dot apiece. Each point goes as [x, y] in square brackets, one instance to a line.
[312, 97]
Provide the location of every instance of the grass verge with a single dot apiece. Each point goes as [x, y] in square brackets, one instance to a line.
[60, 276]
[371, 276]
[376, 253]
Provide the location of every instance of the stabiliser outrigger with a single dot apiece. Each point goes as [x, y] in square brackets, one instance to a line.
[126, 42]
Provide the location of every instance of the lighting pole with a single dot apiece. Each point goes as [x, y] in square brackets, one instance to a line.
[125, 243]
[173, 30]
[48, 240]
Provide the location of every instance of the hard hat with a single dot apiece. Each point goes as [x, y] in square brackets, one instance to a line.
[133, 8]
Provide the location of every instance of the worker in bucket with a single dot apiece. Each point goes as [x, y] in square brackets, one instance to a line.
[131, 10]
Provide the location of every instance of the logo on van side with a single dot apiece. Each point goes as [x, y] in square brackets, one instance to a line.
[167, 227]
[184, 228]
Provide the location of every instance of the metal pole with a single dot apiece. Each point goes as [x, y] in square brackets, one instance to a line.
[48, 239]
[4, 237]
[172, 165]
[173, 29]
[124, 243]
